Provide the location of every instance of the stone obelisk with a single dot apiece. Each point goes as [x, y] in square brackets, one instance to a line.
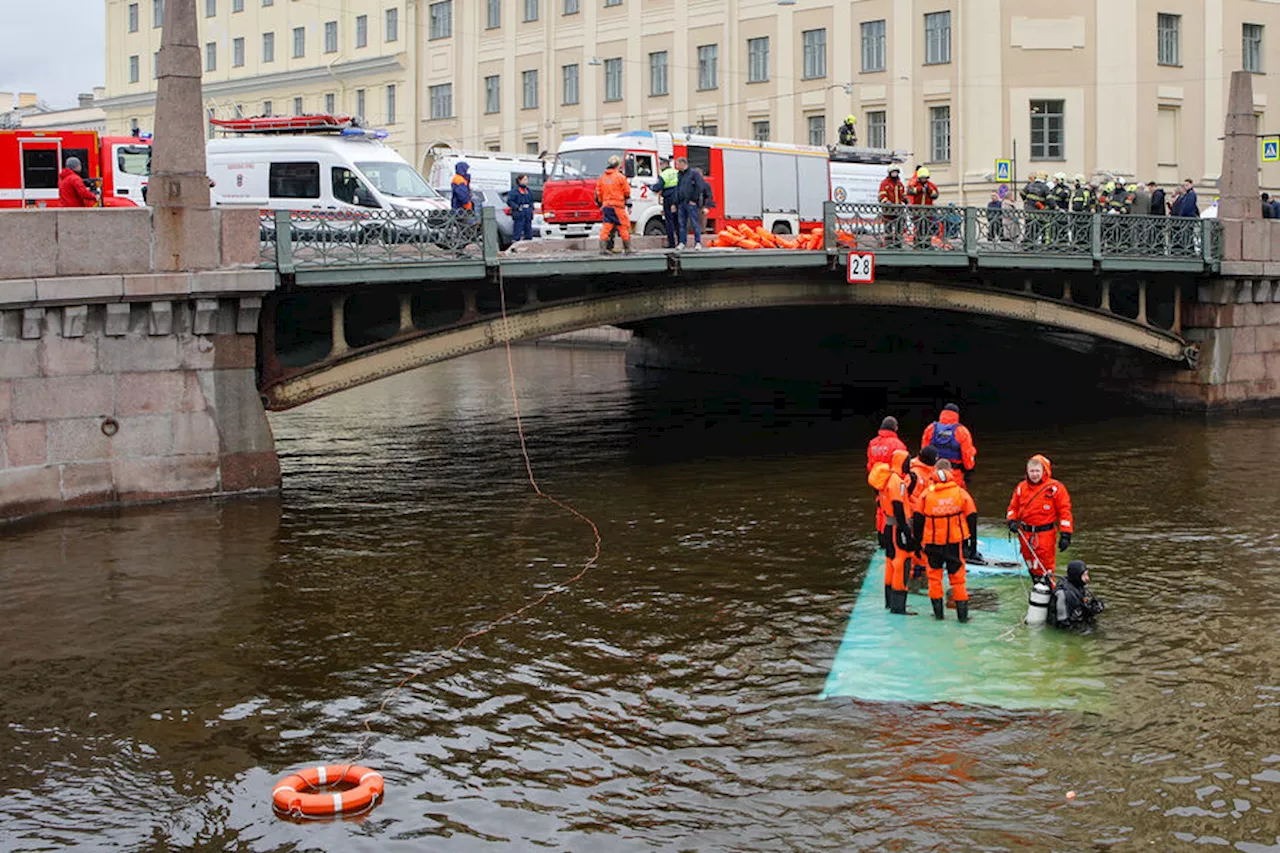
[185, 229]
[1238, 190]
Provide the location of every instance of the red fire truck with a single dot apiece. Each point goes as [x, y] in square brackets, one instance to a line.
[30, 160]
[779, 186]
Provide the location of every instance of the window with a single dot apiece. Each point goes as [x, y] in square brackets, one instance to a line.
[40, 168]
[873, 52]
[391, 103]
[937, 38]
[298, 107]
[1251, 53]
[939, 134]
[758, 60]
[1168, 39]
[1046, 130]
[294, 180]
[210, 8]
[266, 108]
[237, 6]
[133, 68]
[331, 37]
[237, 52]
[393, 25]
[157, 13]
[817, 129]
[707, 128]
[299, 42]
[1167, 136]
[211, 56]
[531, 10]
[360, 103]
[362, 31]
[760, 131]
[440, 16]
[268, 47]
[658, 74]
[493, 94]
[347, 187]
[815, 53]
[571, 7]
[330, 104]
[266, 3]
[531, 147]
[877, 129]
[569, 75]
[613, 79]
[155, 65]
[493, 17]
[133, 17]
[708, 60]
[529, 89]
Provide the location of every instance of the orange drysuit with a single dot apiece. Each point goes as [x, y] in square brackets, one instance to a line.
[1043, 511]
[953, 442]
[881, 449]
[921, 479]
[893, 496]
[943, 526]
[612, 191]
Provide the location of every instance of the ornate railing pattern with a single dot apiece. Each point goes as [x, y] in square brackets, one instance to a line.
[980, 231]
[300, 239]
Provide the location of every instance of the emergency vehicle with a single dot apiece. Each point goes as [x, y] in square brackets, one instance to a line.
[116, 166]
[781, 187]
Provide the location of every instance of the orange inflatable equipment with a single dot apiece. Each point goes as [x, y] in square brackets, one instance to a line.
[300, 793]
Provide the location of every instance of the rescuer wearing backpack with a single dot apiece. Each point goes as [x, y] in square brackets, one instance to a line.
[954, 443]
[946, 527]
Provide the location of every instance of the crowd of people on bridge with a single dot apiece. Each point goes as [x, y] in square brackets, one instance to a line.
[927, 521]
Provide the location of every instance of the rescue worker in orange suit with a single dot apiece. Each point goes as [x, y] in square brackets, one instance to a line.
[893, 192]
[1039, 509]
[881, 449]
[890, 481]
[948, 521]
[954, 443]
[919, 480]
[71, 189]
[613, 191]
[923, 192]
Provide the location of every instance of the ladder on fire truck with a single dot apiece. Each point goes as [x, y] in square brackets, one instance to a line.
[315, 123]
[856, 154]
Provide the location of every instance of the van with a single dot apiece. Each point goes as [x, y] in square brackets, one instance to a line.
[490, 170]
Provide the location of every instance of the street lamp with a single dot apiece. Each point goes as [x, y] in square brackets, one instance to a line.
[595, 60]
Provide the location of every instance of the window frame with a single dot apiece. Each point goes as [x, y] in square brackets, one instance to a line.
[275, 178]
[362, 31]
[131, 18]
[392, 95]
[1256, 47]
[760, 56]
[269, 46]
[1044, 118]
[564, 84]
[814, 53]
[440, 26]
[819, 122]
[613, 69]
[531, 11]
[440, 101]
[211, 8]
[1168, 40]
[529, 89]
[157, 14]
[237, 52]
[708, 67]
[756, 125]
[135, 68]
[210, 56]
[874, 46]
[492, 94]
[493, 14]
[330, 36]
[391, 25]
[659, 71]
[299, 42]
[933, 37]
[873, 128]
[935, 155]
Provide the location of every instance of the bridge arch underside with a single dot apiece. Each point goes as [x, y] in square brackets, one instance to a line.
[319, 342]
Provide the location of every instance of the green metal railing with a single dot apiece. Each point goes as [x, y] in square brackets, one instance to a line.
[978, 232]
[302, 239]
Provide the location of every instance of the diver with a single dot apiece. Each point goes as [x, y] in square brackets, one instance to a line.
[1074, 606]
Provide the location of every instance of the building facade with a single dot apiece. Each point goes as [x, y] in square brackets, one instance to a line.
[1132, 88]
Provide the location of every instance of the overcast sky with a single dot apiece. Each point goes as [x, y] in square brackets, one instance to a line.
[54, 48]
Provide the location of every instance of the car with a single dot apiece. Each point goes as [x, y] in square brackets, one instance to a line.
[501, 213]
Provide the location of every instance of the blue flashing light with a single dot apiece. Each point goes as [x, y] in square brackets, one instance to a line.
[351, 131]
[641, 133]
[146, 134]
[571, 136]
[380, 134]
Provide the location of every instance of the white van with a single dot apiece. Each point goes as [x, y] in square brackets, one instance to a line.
[490, 170]
[329, 172]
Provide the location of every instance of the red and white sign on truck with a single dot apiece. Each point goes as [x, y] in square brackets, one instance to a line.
[118, 167]
[780, 187]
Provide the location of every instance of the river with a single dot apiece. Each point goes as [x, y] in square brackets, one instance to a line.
[162, 666]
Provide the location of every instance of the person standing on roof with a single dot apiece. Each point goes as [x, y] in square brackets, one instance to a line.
[460, 194]
[613, 191]
[894, 194]
[520, 201]
[1039, 509]
[71, 189]
[946, 527]
[848, 133]
[889, 479]
[667, 185]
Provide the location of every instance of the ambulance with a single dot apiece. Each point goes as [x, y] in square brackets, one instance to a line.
[118, 167]
[779, 186]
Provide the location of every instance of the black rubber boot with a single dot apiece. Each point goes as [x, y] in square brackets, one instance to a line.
[888, 596]
[899, 607]
[962, 611]
[937, 607]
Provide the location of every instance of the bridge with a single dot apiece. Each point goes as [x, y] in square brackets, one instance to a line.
[364, 299]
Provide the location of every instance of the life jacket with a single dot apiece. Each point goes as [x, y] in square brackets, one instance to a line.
[921, 479]
[879, 476]
[946, 512]
[945, 442]
[892, 488]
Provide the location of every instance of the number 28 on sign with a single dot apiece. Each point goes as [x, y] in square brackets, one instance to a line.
[862, 267]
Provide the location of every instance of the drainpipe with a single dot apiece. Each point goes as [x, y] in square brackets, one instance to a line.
[960, 100]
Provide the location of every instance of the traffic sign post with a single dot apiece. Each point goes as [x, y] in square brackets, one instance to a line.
[1270, 149]
[1004, 171]
[862, 267]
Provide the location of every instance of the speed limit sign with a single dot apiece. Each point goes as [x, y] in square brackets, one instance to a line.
[862, 267]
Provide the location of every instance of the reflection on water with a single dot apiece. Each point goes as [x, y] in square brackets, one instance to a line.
[162, 666]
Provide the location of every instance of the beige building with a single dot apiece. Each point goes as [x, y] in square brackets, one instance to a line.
[1129, 87]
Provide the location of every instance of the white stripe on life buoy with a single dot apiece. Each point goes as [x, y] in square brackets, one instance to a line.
[320, 777]
[367, 775]
[283, 788]
[337, 803]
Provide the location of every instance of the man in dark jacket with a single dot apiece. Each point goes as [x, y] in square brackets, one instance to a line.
[1158, 207]
[1073, 606]
[1186, 204]
[694, 198]
[520, 201]
[71, 189]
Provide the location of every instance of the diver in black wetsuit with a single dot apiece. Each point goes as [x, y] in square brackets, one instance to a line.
[1074, 606]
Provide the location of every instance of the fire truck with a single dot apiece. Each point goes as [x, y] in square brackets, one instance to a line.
[781, 187]
[116, 166]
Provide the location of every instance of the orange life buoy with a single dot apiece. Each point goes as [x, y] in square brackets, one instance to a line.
[293, 794]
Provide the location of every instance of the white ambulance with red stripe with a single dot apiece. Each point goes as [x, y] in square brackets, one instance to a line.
[118, 167]
[781, 187]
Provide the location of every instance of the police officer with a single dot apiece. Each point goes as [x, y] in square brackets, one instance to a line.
[665, 186]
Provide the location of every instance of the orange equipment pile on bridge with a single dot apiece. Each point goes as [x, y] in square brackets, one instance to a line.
[756, 237]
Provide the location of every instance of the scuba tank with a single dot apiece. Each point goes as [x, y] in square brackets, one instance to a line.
[1038, 604]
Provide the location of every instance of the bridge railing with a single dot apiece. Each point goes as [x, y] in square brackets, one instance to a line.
[978, 231]
[300, 239]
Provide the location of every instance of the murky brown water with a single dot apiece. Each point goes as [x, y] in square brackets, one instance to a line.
[161, 667]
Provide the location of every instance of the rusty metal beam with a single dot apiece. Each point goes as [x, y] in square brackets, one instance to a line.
[537, 321]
